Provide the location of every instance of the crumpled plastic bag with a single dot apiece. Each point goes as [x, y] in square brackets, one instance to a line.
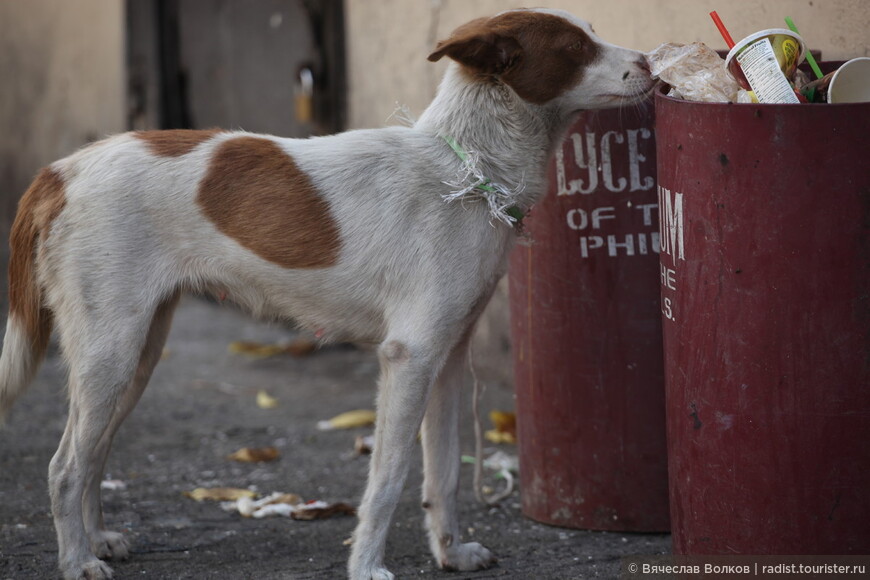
[694, 71]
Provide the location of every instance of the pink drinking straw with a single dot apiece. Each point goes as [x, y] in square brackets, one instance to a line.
[722, 30]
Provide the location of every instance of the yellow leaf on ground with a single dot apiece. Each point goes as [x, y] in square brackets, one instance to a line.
[254, 455]
[300, 347]
[255, 349]
[505, 427]
[266, 401]
[348, 420]
[496, 436]
[317, 511]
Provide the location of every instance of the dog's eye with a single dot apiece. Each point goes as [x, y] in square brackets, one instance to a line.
[575, 46]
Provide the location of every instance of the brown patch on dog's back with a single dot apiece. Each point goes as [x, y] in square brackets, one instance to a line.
[174, 142]
[39, 207]
[256, 194]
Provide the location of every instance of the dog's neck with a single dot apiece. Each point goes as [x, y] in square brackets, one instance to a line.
[512, 138]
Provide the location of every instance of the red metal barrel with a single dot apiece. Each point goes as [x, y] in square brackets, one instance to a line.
[765, 282]
[586, 329]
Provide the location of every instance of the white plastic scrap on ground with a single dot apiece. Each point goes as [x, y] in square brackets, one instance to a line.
[506, 466]
[113, 485]
[286, 505]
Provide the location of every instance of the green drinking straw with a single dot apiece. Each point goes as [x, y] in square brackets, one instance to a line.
[810, 58]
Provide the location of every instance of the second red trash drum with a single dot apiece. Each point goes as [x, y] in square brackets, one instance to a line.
[586, 328]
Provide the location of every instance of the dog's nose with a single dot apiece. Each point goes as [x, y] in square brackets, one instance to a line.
[642, 68]
[643, 64]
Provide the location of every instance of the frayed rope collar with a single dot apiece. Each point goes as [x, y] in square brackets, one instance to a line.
[502, 200]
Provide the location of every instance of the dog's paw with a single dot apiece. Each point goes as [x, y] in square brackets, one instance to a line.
[108, 545]
[466, 557]
[88, 570]
[373, 574]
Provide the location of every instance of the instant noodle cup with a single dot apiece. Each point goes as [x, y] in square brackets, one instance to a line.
[765, 61]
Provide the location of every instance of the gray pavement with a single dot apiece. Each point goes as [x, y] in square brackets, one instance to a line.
[200, 407]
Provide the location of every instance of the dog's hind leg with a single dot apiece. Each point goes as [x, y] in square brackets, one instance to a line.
[441, 471]
[104, 543]
[103, 347]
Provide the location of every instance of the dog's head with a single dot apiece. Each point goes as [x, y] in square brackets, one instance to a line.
[549, 57]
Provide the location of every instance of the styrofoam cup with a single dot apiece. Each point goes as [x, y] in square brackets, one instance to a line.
[851, 82]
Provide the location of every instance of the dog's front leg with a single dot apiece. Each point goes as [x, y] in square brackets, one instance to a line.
[441, 471]
[407, 373]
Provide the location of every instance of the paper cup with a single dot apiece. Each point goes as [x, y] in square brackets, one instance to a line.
[851, 82]
[765, 61]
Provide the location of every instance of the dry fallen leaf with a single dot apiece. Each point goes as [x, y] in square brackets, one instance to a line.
[301, 347]
[348, 420]
[219, 493]
[254, 349]
[258, 350]
[363, 444]
[319, 511]
[266, 401]
[496, 436]
[254, 455]
[505, 430]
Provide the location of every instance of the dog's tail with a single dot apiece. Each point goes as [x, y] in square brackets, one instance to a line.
[28, 326]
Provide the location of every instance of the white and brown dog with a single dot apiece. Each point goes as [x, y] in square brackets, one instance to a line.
[353, 234]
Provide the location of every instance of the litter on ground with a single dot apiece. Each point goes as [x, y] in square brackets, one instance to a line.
[348, 420]
[254, 454]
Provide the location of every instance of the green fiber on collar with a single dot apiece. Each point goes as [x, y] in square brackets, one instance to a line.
[513, 211]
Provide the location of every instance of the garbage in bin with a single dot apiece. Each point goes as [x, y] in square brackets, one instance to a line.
[851, 82]
[765, 317]
[765, 62]
[761, 68]
[694, 72]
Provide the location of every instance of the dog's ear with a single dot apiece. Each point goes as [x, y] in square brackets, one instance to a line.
[480, 47]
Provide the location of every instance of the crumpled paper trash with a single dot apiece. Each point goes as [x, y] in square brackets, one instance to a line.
[286, 505]
[694, 72]
[219, 493]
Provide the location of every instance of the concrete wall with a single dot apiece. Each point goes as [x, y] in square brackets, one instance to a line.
[389, 40]
[62, 75]
[62, 65]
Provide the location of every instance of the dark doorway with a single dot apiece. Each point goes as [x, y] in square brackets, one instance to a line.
[271, 66]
